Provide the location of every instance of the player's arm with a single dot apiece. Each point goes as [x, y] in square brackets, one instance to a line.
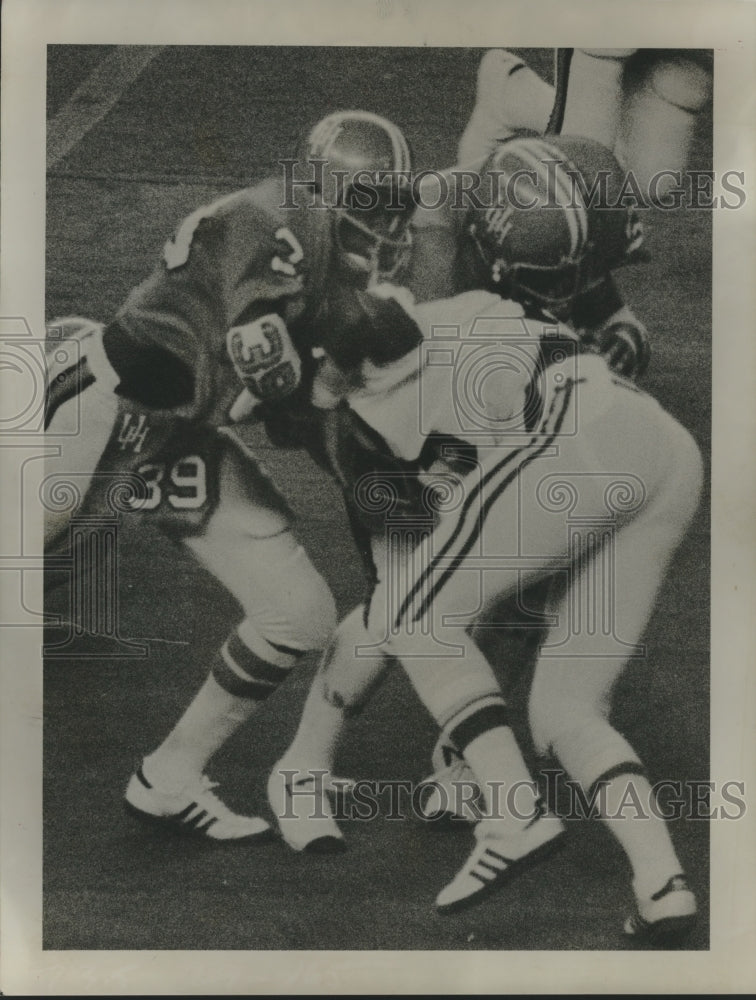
[149, 375]
[215, 292]
[159, 341]
[608, 326]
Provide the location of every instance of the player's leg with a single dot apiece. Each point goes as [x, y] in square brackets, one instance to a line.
[455, 683]
[570, 698]
[462, 695]
[665, 99]
[643, 104]
[249, 546]
[521, 527]
[593, 95]
[507, 633]
[302, 782]
[509, 96]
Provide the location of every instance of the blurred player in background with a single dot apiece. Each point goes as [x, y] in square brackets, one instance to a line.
[227, 320]
[426, 590]
[644, 104]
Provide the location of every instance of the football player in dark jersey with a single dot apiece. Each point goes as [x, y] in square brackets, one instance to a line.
[226, 321]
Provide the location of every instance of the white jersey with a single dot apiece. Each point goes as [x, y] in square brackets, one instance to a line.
[471, 377]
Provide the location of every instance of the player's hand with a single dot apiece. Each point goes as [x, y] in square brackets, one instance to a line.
[244, 407]
[623, 341]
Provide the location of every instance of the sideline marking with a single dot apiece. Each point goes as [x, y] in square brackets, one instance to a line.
[95, 97]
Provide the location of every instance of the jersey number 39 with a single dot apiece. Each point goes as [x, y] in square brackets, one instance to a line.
[183, 484]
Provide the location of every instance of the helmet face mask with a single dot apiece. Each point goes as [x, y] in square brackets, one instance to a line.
[365, 166]
[551, 288]
[548, 288]
[374, 242]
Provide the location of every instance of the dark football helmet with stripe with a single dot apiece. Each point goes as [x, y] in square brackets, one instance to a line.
[363, 166]
[554, 222]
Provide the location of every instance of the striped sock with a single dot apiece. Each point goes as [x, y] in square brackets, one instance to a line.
[252, 669]
[482, 732]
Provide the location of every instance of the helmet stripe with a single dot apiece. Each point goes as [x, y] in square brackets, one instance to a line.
[326, 131]
[528, 151]
[576, 203]
[323, 135]
[573, 209]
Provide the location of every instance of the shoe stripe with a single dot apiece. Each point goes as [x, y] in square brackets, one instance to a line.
[499, 857]
[678, 883]
[193, 821]
[185, 812]
[204, 827]
[493, 868]
[141, 778]
[485, 879]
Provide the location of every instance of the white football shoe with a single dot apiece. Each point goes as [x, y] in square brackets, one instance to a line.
[498, 857]
[301, 801]
[450, 796]
[193, 808]
[665, 916]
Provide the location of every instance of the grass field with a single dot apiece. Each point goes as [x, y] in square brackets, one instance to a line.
[196, 123]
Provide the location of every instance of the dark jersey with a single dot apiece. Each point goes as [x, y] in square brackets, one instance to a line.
[239, 277]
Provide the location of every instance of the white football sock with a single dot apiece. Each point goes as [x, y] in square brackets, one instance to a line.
[508, 789]
[643, 836]
[210, 720]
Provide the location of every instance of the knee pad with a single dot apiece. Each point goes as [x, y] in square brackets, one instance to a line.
[296, 608]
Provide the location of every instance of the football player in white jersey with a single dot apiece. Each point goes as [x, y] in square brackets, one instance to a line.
[550, 431]
[227, 318]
